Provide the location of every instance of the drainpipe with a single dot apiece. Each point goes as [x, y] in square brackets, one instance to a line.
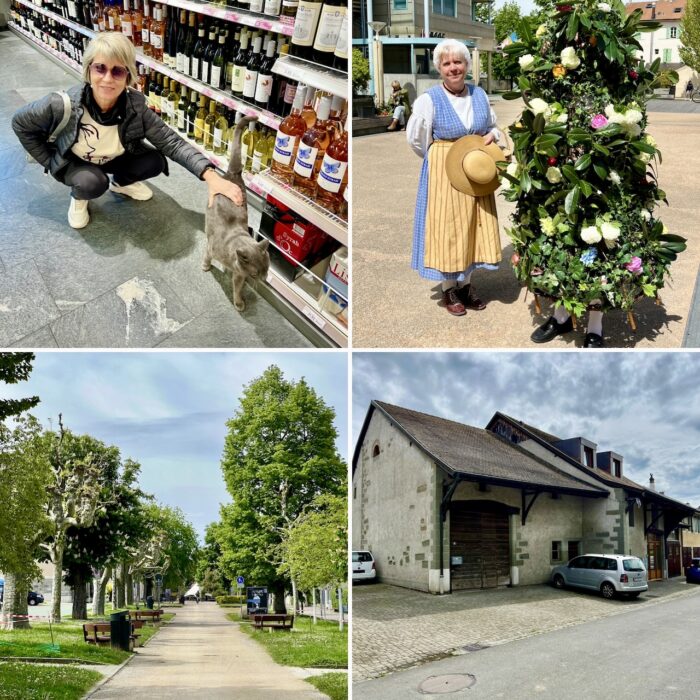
[370, 44]
[426, 19]
[443, 515]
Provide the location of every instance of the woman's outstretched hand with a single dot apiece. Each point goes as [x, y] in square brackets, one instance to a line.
[218, 185]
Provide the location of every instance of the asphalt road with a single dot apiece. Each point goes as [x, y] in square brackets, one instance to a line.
[649, 652]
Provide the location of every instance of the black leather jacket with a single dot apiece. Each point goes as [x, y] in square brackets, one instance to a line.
[35, 122]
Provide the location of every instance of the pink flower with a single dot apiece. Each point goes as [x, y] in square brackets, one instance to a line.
[514, 259]
[599, 121]
[634, 265]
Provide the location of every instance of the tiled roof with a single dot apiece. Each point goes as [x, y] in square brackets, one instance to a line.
[660, 10]
[480, 453]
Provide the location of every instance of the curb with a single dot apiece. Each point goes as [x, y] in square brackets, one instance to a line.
[106, 678]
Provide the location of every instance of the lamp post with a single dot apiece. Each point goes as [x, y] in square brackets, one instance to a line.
[378, 61]
[476, 61]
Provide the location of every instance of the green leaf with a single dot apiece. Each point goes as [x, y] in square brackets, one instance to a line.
[578, 135]
[601, 149]
[643, 146]
[556, 197]
[546, 141]
[572, 26]
[525, 182]
[570, 173]
[514, 95]
[571, 201]
[515, 48]
[583, 162]
[600, 170]
[586, 188]
[648, 26]
[538, 124]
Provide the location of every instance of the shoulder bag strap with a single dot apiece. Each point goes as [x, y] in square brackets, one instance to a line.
[66, 116]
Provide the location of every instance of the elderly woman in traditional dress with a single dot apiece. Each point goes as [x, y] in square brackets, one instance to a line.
[104, 135]
[454, 233]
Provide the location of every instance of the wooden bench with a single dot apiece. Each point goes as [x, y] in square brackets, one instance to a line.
[135, 634]
[273, 621]
[146, 615]
[98, 633]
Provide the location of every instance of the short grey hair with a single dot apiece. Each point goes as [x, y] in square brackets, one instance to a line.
[447, 47]
[113, 46]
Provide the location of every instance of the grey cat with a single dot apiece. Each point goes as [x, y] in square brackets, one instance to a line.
[226, 226]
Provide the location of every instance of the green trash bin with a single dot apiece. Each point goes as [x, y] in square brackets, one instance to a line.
[120, 630]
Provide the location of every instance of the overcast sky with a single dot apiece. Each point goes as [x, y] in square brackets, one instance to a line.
[645, 406]
[168, 411]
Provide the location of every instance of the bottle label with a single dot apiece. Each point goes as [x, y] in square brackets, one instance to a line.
[126, 28]
[229, 72]
[156, 103]
[263, 89]
[272, 7]
[244, 155]
[205, 72]
[198, 128]
[156, 41]
[71, 10]
[341, 48]
[249, 81]
[329, 28]
[111, 23]
[145, 35]
[305, 161]
[180, 62]
[218, 137]
[256, 5]
[195, 68]
[181, 119]
[256, 167]
[290, 93]
[238, 79]
[331, 174]
[305, 23]
[284, 148]
[215, 79]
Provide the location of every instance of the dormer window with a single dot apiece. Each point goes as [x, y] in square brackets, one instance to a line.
[617, 467]
[588, 456]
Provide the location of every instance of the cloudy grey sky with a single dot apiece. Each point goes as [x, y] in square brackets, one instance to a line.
[168, 411]
[645, 406]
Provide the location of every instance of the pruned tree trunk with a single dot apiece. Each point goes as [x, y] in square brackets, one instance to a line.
[278, 600]
[79, 589]
[313, 602]
[294, 597]
[100, 584]
[118, 599]
[14, 609]
[129, 585]
[56, 552]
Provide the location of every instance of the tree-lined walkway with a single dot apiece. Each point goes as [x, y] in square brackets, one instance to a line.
[201, 654]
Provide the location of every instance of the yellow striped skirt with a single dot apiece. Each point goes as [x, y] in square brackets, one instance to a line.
[460, 230]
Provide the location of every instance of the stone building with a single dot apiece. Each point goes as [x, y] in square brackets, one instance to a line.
[445, 506]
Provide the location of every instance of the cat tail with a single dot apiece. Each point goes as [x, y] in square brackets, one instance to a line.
[235, 167]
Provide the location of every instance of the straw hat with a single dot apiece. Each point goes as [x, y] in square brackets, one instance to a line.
[471, 166]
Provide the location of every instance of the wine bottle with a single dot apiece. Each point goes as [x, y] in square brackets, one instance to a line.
[137, 23]
[180, 42]
[272, 7]
[289, 8]
[263, 87]
[157, 93]
[153, 84]
[312, 149]
[192, 110]
[173, 99]
[205, 64]
[199, 120]
[190, 40]
[198, 52]
[146, 29]
[165, 100]
[305, 26]
[276, 104]
[328, 31]
[157, 33]
[262, 153]
[172, 37]
[248, 141]
[292, 128]
[182, 111]
[209, 122]
[95, 15]
[256, 5]
[220, 129]
[114, 18]
[309, 113]
[126, 21]
[335, 117]
[233, 50]
[142, 82]
[332, 173]
[218, 65]
[239, 66]
[251, 72]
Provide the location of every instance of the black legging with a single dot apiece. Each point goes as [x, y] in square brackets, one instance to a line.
[89, 181]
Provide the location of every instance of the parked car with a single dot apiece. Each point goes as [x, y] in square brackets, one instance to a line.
[363, 568]
[692, 573]
[610, 574]
[35, 598]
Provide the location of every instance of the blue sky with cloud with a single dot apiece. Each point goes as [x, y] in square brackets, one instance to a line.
[168, 411]
[642, 405]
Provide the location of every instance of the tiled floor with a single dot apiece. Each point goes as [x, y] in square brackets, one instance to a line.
[133, 277]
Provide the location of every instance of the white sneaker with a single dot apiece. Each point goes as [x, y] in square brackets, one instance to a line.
[78, 214]
[137, 190]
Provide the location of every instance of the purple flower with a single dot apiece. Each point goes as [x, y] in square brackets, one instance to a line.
[589, 256]
[599, 121]
[634, 265]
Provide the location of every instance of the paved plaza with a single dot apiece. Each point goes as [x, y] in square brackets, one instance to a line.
[396, 628]
[393, 307]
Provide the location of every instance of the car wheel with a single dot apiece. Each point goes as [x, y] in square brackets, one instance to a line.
[558, 581]
[32, 601]
[608, 590]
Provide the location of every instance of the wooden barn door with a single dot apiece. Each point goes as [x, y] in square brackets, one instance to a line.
[655, 552]
[479, 545]
[674, 559]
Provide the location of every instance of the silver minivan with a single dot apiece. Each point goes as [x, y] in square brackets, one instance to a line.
[607, 573]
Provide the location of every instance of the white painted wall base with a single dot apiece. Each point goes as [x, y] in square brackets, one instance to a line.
[439, 585]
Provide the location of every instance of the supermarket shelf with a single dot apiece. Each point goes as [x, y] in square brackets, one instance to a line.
[64, 61]
[59, 18]
[313, 74]
[265, 183]
[281, 25]
[264, 117]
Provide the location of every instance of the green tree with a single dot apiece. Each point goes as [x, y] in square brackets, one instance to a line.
[15, 367]
[360, 72]
[209, 561]
[690, 35]
[506, 21]
[483, 11]
[279, 455]
[24, 475]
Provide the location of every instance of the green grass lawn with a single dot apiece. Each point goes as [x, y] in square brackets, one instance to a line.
[37, 682]
[68, 642]
[334, 685]
[321, 645]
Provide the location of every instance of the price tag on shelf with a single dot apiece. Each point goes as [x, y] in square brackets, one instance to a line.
[287, 21]
[263, 24]
[260, 186]
[207, 91]
[318, 320]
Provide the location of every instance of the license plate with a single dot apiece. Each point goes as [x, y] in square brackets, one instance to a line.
[638, 577]
[357, 571]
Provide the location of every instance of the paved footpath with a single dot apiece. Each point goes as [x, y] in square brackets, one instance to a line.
[202, 655]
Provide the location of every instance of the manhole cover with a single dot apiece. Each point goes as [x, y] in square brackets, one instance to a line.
[449, 683]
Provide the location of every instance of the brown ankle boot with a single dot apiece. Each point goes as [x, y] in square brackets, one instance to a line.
[393, 126]
[469, 299]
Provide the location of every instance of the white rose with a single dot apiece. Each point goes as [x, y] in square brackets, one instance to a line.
[553, 175]
[513, 169]
[569, 59]
[650, 140]
[562, 118]
[590, 234]
[614, 178]
[632, 116]
[538, 106]
[526, 62]
[610, 231]
[604, 7]
[646, 215]
[632, 130]
[542, 29]
[613, 116]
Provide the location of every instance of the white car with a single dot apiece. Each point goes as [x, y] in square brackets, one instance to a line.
[363, 568]
[608, 573]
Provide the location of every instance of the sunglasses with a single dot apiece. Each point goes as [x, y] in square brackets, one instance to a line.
[118, 72]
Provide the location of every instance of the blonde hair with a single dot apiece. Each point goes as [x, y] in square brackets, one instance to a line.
[447, 47]
[112, 46]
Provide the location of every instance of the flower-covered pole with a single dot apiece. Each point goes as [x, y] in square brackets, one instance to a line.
[584, 175]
